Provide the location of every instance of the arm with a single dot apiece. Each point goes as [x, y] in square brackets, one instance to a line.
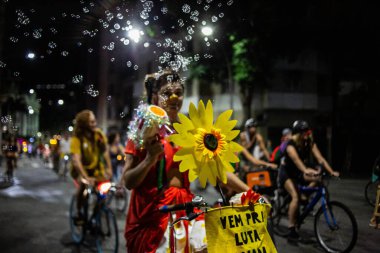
[235, 183]
[134, 173]
[321, 160]
[243, 140]
[262, 146]
[256, 161]
[297, 161]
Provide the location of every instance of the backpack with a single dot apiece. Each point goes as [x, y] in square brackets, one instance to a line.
[278, 153]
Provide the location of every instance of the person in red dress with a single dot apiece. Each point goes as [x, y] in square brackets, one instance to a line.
[153, 177]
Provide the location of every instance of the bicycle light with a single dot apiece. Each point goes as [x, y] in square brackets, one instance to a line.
[104, 187]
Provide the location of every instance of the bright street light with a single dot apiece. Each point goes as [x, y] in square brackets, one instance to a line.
[60, 102]
[31, 91]
[70, 128]
[135, 35]
[30, 55]
[207, 31]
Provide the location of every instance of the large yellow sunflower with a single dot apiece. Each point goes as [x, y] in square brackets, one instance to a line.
[207, 149]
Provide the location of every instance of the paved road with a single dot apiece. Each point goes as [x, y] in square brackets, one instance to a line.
[34, 214]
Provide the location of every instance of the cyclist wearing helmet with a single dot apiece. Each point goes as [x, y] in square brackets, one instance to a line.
[299, 152]
[253, 141]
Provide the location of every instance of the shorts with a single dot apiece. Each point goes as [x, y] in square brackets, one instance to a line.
[283, 175]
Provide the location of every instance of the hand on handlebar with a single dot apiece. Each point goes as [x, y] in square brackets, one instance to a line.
[312, 172]
[88, 180]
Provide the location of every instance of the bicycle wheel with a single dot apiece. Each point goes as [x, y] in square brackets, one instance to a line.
[335, 227]
[370, 192]
[279, 214]
[107, 239]
[78, 232]
[119, 200]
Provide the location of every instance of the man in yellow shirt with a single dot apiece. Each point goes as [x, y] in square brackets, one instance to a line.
[90, 157]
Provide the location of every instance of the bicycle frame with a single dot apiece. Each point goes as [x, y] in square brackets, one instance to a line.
[321, 195]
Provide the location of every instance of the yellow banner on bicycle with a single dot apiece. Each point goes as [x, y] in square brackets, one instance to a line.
[240, 229]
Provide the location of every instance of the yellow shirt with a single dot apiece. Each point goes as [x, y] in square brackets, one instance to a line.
[91, 152]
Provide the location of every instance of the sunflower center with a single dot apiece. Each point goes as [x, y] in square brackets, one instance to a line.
[210, 142]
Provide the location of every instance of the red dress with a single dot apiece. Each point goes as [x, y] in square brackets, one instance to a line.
[145, 225]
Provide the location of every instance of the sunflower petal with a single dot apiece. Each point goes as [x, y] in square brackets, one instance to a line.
[185, 120]
[193, 175]
[183, 140]
[187, 163]
[209, 116]
[230, 157]
[231, 135]
[220, 171]
[235, 147]
[222, 118]
[194, 117]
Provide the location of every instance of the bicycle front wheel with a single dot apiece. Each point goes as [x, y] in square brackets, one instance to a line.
[335, 227]
[107, 240]
[280, 215]
[370, 192]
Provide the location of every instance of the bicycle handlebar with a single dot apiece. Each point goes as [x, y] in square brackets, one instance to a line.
[196, 202]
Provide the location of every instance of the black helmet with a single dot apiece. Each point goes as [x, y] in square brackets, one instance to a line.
[250, 123]
[300, 126]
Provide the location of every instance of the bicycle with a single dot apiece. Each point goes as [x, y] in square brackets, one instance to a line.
[335, 226]
[370, 189]
[117, 199]
[99, 220]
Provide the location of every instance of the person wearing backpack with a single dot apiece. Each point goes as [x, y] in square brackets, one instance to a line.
[278, 152]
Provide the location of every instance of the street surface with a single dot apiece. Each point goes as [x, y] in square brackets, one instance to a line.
[34, 214]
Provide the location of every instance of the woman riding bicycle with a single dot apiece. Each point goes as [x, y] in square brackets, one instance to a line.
[90, 157]
[300, 150]
[146, 227]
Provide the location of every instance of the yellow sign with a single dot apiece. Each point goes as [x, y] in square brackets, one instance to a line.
[241, 229]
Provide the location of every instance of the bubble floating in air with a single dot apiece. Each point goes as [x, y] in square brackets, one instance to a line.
[77, 79]
[13, 39]
[37, 34]
[52, 45]
[186, 8]
[164, 10]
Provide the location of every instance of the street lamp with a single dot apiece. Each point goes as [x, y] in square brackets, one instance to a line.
[60, 102]
[135, 35]
[207, 31]
[31, 55]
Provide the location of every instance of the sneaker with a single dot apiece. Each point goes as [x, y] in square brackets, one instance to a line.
[293, 236]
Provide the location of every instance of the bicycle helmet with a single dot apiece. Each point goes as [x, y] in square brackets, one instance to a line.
[300, 126]
[250, 123]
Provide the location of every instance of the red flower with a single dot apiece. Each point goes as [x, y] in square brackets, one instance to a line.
[250, 197]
